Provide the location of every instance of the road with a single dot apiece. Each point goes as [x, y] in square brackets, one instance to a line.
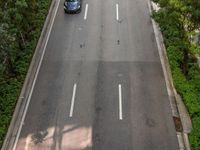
[101, 84]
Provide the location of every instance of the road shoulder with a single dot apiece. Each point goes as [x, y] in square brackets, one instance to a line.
[11, 135]
[179, 111]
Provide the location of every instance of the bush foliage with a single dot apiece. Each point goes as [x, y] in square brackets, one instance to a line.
[21, 23]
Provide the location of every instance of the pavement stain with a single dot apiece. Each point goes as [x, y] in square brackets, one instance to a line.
[82, 45]
[150, 122]
[39, 137]
[118, 42]
[98, 109]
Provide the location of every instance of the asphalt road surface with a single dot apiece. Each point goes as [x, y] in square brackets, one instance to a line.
[101, 84]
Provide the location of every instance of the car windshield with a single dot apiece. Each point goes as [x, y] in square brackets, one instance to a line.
[71, 0]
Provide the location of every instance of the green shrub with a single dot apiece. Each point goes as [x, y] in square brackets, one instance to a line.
[10, 86]
[195, 134]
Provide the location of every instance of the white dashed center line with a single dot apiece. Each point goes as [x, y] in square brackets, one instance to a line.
[117, 12]
[86, 11]
[120, 102]
[73, 100]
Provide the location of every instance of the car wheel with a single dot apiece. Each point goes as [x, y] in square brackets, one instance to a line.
[79, 10]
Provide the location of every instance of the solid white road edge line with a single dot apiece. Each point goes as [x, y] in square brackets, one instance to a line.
[117, 11]
[120, 102]
[160, 53]
[86, 11]
[73, 100]
[34, 81]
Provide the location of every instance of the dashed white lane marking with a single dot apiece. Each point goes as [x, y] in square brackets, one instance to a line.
[117, 11]
[34, 81]
[86, 11]
[73, 100]
[120, 102]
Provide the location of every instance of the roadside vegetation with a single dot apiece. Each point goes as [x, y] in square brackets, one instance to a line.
[179, 21]
[21, 22]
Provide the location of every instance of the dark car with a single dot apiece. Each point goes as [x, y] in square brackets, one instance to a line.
[72, 6]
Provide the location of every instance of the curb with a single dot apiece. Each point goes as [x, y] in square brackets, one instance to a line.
[22, 100]
[180, 114]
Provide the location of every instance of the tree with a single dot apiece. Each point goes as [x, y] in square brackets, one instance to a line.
[185, 16]
[6, 51]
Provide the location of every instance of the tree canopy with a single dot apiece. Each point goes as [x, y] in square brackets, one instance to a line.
[21, 22]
